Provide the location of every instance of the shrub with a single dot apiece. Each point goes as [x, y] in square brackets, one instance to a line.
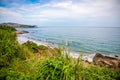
[42, 47]
[10, 74]
[31, 46]
[9, 48]
[7, 36]
[8, 28]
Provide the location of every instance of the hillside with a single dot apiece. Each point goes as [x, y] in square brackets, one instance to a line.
[30, 61]
[16, 25]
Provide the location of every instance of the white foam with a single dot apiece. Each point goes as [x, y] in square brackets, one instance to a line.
[88, 57]
[84, 56]
[22, 40]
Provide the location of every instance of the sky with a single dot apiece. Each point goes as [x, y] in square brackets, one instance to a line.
[90, 13]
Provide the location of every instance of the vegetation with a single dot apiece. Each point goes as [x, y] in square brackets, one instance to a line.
[7, 28]
[33, 46]
[19, 62]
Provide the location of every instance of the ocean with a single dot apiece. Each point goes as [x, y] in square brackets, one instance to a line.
[91, 40]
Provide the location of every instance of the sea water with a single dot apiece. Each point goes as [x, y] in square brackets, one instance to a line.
[104, 40]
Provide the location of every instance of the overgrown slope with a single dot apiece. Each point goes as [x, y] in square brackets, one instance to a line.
[27, 62]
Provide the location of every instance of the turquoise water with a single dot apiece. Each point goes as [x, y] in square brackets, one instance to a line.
[92, 40]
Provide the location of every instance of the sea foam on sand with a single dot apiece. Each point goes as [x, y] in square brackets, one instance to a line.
[22, 40]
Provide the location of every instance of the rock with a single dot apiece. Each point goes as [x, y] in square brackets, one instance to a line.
[107, 61]
[86, 63]
[116, 55]
[21, 32]
[27, 43]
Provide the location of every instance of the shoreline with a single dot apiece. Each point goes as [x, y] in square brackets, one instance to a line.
[85, 56]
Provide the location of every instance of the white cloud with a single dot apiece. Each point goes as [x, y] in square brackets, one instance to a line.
[7, 12]
[66, 9]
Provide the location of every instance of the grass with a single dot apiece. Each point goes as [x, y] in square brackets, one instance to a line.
[21, 62]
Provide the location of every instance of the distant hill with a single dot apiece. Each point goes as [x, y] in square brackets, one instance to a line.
[16, 25]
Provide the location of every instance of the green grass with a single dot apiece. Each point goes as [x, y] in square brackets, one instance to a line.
[19, 62]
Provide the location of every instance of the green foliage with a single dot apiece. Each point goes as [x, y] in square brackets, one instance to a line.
[33, 46]
[11, 74]
[66, 68]
[56, 69]
[9, 47]
[9, 51]
[42, 47]
[5, 27]
[7, 36]
[98, 73]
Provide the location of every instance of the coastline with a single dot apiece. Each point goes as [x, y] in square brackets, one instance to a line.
[85, 56]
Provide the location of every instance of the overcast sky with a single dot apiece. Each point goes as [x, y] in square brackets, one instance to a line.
[97, 13]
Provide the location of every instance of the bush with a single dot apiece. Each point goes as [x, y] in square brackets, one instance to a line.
[42, 47]
[9, 47]
[7, 36]
[8, 28]
[10, 74]
[31, 46]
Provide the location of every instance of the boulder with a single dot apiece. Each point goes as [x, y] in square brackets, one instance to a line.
[107, 61]
[21, 32]
[27, 43]
[116, 55]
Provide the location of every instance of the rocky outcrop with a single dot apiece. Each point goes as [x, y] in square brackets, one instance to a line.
[21, 32]
[41, 49]
[107, 61]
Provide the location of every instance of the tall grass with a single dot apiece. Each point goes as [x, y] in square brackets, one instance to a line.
[66, 68]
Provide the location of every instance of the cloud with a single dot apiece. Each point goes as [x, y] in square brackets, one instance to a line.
[60, 11]
[7, 12]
